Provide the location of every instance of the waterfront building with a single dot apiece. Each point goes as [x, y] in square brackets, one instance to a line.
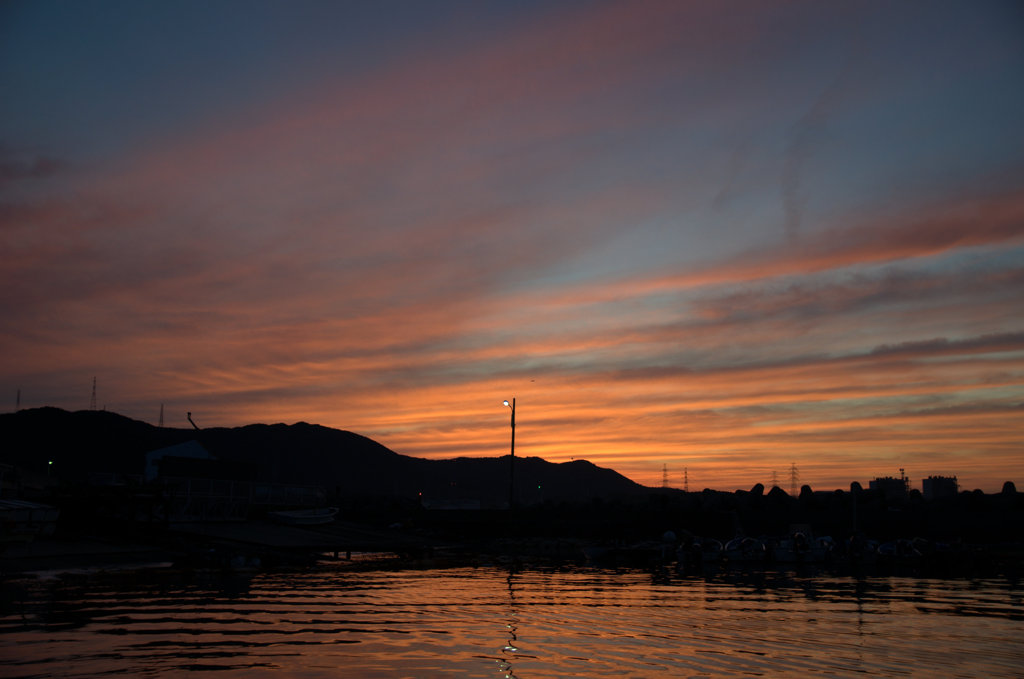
[935, 487]
[892, 488]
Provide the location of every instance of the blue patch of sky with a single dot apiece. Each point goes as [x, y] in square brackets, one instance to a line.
[90, 79]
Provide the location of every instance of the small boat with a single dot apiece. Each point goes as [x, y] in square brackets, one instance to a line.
[803, 548]
[305, 517]
[901, 549]
[710, 550]
[861, 550]
[745, 550]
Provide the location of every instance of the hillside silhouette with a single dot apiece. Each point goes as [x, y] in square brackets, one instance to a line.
[84, 444]
[92, 465]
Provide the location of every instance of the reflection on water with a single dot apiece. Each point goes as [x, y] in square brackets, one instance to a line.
[496, 622]
[510, 649]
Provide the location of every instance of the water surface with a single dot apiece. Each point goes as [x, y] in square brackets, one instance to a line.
[501, 622]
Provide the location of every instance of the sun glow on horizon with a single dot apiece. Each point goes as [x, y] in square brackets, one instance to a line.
[719, 241]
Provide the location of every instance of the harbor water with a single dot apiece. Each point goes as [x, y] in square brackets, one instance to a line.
[502, 621]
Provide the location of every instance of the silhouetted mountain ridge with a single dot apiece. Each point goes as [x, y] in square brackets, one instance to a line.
[83, 442]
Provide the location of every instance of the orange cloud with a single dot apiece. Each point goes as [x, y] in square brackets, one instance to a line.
[395, 253]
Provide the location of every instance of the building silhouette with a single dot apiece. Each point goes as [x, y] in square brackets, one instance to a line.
[892, 488]
[935, 487]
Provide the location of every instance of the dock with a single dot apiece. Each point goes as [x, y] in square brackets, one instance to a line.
[337, 538]
[223, 544]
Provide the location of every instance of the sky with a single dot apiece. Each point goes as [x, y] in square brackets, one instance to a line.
[701, 243]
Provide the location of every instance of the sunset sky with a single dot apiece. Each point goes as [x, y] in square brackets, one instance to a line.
[719, 237]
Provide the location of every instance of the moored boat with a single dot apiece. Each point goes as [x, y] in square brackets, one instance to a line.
[304, 517]
[802, 548]
[745, 550]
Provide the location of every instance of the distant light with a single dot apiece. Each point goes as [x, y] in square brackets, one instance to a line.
[50, 462]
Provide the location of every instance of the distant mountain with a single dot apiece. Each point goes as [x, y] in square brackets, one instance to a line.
[84, 442]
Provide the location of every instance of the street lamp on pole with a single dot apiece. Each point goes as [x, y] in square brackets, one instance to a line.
[512, 457]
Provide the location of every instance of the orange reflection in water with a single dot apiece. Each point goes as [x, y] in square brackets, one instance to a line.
[497, 622]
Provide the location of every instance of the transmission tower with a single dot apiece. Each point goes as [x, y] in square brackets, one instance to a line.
[92, 403]
[686, 480]
[794, 478]
[161, 414]
[775, 479]
[664, 476]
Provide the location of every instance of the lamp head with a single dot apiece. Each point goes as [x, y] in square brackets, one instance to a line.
[505, 402]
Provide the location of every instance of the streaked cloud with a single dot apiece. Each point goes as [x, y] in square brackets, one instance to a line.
[680, 236]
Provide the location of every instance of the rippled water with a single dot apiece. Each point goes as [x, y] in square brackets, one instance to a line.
[497, 622]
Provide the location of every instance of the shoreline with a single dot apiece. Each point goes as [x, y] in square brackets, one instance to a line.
[89, 555]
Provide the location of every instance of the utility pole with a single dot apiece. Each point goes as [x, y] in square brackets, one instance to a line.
[512, 458]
